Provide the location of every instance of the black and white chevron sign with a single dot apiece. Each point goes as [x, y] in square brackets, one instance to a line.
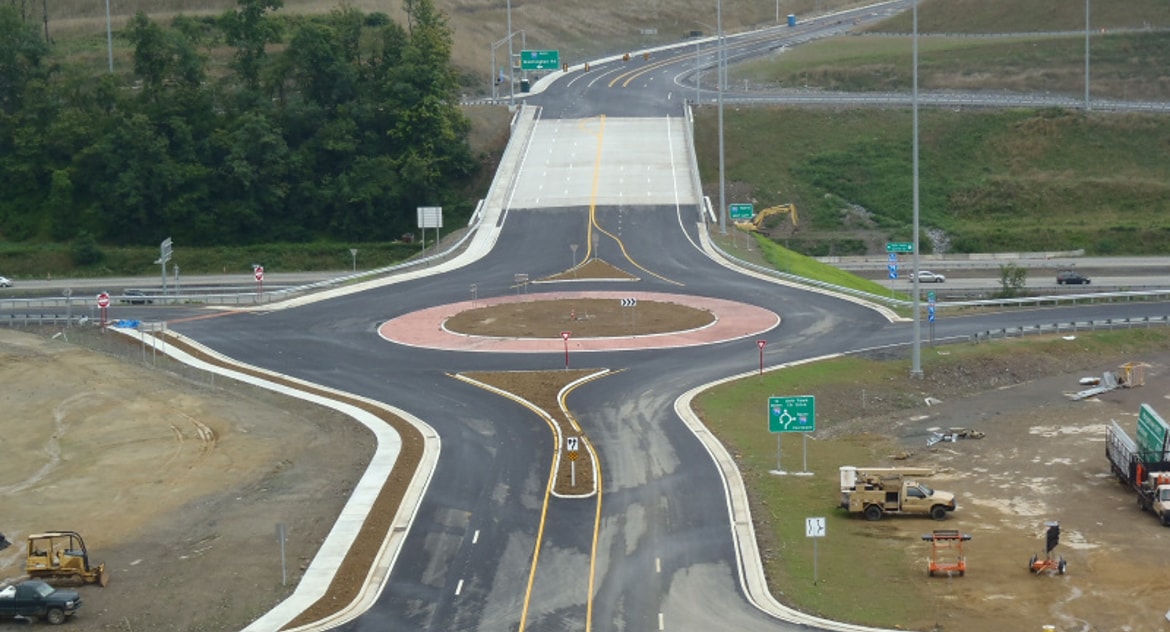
[629, 302]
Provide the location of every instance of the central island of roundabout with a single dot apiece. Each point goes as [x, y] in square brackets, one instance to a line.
[593, 321]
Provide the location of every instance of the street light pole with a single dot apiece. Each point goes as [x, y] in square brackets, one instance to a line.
[916, 364]
[719, 89]
[511, 71]
[1086, 55]
[109, 37]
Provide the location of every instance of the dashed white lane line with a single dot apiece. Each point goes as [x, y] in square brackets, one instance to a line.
[459, 589]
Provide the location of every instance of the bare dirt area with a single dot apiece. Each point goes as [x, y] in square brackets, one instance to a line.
[176, 487]
[1042, 459]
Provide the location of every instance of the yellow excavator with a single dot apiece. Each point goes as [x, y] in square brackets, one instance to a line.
[61, 555]
[756, 223]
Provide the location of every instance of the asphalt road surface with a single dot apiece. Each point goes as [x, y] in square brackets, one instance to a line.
[608, 168]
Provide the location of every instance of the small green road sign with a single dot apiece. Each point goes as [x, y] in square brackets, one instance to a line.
[741, 211]
[540, 60]
[930, 297]
[899, 246]
[792, 414]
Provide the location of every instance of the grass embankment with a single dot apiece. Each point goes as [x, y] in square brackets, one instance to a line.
[1127, 66]
[1012, 16]
[857, 559]
[1015, 180]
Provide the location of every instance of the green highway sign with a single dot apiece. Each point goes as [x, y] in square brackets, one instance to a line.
[899, 246]
[741, 211]
[792, 414]
[540, 60]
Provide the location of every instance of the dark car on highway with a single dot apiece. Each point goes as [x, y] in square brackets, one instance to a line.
[1071, 277]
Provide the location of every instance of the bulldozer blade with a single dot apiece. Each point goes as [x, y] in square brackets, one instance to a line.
[103, 576]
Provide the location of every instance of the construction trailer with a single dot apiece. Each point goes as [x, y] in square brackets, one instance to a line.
[1144, 465]
[946, 552]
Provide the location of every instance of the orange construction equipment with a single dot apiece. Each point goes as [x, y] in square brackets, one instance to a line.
[62, 556]
[947, 543]
[1048, 563]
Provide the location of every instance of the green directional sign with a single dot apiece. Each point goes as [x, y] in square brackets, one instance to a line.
[741, 211]
[899, 246]
[540, 60]
[792, 414]
[1151, 434]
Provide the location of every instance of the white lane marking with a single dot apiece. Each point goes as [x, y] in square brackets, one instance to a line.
[475, 538]
[658, 565]
[459, 589]
[661, 622]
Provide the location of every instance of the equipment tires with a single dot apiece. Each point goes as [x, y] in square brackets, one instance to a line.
[1032, 564]
[1061, 566]
[873, 513]
[938, 512]
[55, 616]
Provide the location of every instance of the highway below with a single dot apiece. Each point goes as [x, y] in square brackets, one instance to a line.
[607, 166]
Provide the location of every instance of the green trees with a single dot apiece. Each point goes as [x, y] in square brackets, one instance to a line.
[341, 134]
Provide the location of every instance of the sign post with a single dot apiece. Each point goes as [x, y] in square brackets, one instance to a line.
[791, 414]
[814, 528]
[258, 272]
[761, 344]
[103, 303]
[571, 446]
[165, 250]
[565, 336]
[930, 314]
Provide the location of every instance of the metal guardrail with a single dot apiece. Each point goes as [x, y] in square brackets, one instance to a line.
[890, 301]
[1070, 327]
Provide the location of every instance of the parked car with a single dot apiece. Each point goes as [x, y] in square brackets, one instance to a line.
[5, 282]
[1066, 277]
[135, 297]
[926, 276]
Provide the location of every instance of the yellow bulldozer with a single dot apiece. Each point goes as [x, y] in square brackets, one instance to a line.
[757, 223]
[62, 556]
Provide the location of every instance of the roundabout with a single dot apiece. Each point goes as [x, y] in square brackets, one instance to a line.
[596, 321]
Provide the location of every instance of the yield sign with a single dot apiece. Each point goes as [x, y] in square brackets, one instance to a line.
[761, 344]
[565, 335]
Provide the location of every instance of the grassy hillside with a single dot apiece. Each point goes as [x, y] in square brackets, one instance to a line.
[1012, 16]
[990, 181]
[580, 31]
[1124, 65]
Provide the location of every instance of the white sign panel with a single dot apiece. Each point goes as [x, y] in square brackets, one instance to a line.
[814, 527]
[571, 443]
[430, 217]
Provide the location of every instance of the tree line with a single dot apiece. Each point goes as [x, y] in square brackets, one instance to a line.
[331, 127]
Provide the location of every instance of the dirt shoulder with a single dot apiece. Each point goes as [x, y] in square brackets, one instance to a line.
[176, 486]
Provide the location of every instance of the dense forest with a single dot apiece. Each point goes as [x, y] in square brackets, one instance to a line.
[236, 129]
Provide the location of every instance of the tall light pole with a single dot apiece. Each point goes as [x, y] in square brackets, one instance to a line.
[916, 363]
[1086, 55]
[109, 37]
[511, 70]
[719, 89]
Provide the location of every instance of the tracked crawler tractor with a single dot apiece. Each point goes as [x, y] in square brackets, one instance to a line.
[61, 556]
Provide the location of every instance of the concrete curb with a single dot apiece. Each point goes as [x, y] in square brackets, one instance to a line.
[321, 571]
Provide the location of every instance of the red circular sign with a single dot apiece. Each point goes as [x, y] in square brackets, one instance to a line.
[103, 300]
[259, 273]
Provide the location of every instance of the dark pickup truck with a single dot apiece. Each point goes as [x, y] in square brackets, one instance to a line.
[36, 599]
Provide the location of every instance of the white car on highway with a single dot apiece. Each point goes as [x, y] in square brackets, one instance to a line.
[926, 276]
[5, 282]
